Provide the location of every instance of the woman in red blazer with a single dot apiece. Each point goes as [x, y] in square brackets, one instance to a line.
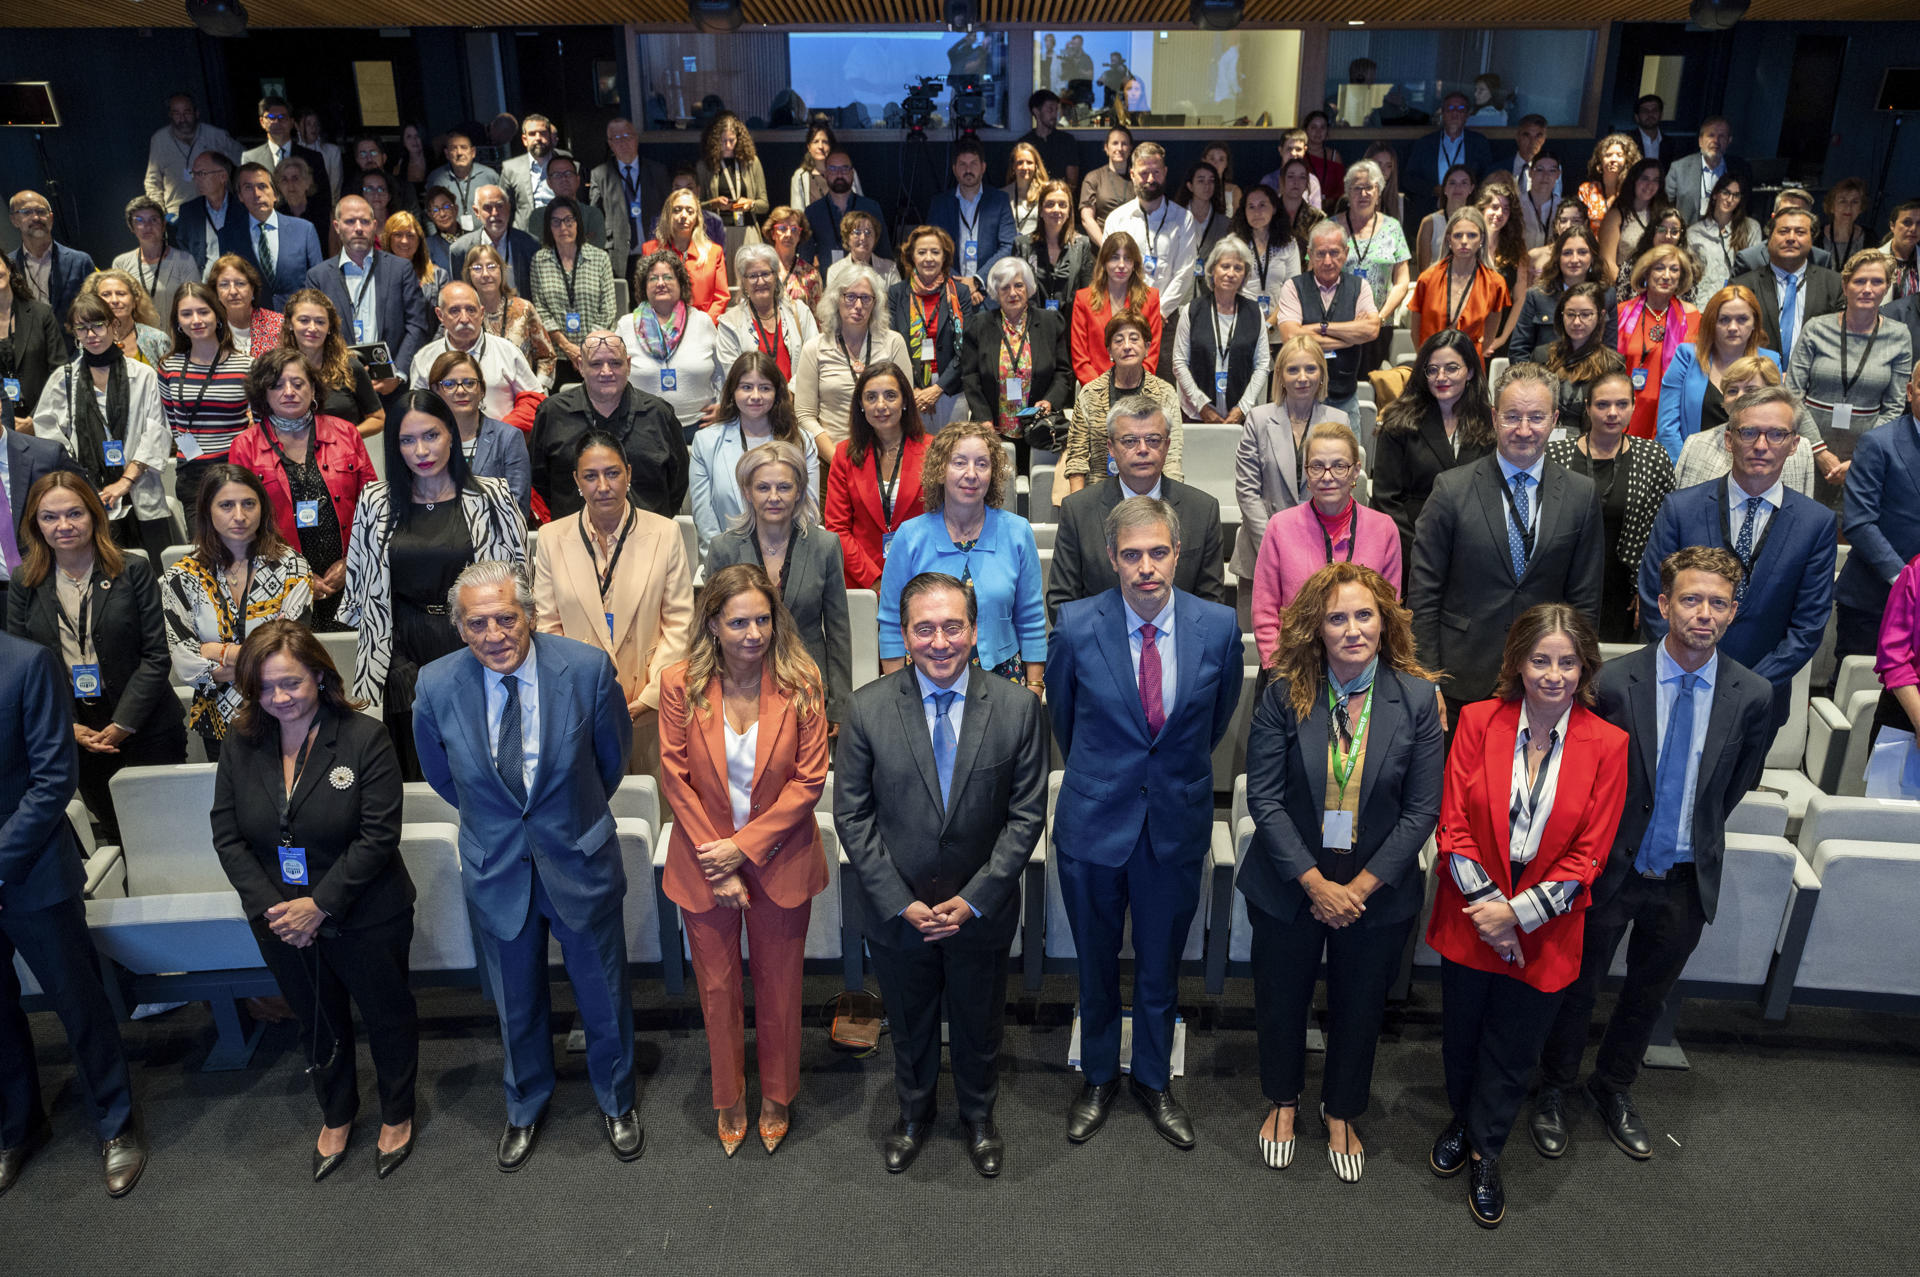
[1533, 795]
[743, 758]
[1119, 283]
[874, 484]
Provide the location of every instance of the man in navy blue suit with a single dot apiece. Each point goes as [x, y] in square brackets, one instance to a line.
[979, 217]
[1429, 158]
[282, 247]
[528, 735]
[1141, 683]
[42, 918]
[1784, 541]
[212, 223]
[376, 293]
[1881, 516]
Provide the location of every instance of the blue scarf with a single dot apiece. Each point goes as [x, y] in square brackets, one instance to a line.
[1343, 691]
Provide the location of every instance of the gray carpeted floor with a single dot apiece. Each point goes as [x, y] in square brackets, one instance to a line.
[1785, 1147]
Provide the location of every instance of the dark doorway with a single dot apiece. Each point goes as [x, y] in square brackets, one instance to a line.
[1806, 130]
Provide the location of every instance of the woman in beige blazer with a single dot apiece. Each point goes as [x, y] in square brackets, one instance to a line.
[617, 577]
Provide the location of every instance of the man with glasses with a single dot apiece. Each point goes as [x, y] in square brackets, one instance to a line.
[174, 148]
[649, 433]
[369, 165]
[210, 225]
[55, 271]
[376, 294]
[278, 123]
[462, 175]
[1499, 536]
[824, 214]
[494, 210]
[563, 178]
[1783, 540]
[1537, 172]
[1137, 441]
[1431, 156]
[1691, 179]
[505, 368]
[283, 247]
[627, 191]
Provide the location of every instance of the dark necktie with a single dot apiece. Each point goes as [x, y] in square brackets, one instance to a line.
[1743, 547]
[1517, 534]
[510, 752]
[265, 253]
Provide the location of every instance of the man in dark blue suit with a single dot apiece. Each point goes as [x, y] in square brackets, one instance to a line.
[1880, 514]
[212, 223]
[1141, 683]
[42, 918]
[282, 247]
[55, 271]
[1429, 158]
[528, 735]
[376, 293]
[979, 217]
[824, 214]
[1784, 541]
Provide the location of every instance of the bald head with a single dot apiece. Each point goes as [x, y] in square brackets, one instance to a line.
[460, 314]
[607, 366]
[353, 223]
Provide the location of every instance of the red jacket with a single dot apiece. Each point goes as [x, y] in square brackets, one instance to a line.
[855, 515]
[1474, 823]
[344, 465]
[707, 268]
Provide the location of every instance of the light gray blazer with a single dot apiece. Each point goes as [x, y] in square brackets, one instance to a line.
[1265, 476]
[816, 597]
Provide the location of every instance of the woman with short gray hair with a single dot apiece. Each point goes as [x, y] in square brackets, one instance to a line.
[762, 317]
[1220, 354]
[854, 334]
[1014, 362]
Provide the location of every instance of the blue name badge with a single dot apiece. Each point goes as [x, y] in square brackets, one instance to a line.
[970, 253]
[609, 626]
[293, 866]
[633, 210]
[886, 543]
[115, 451]
[669, 379]
[1639, 380]
[1220, 383]
[1113, 467]
[1053, 303]
[306, 514]
[573, 323]
[86, 682]
[1153, 265]
[1266, 306]
[11, 387]
[1359, 272]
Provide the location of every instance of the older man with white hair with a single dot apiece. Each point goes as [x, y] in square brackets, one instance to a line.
[1334, 307]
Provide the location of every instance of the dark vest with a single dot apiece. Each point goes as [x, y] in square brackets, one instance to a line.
[1343, 366]
[1203, 356]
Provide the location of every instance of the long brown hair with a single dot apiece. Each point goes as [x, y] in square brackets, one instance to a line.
[222, 332]
[861, 437]
[207, 545]
[1596, 357]
[1535, 624]
[421, 261]
[1509, 246]
[36, 556]
[1301, 655]
[1068, 228]
[791, 669]
[1472, 412]
[1115, 244]
[743, 152]
[297, 641]
[336, 370]
[782, 416]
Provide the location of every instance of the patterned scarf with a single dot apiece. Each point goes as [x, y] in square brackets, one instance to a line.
[661, 340]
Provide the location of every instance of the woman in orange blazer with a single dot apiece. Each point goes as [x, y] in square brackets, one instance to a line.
[1534, 788]
[743, 758]
[682, 230]
[874, 484]
[617, 577]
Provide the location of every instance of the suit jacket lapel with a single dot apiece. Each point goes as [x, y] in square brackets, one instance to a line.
[1315, 732]
[1117, 647]
[775, 713]
[1186, 652]
[1719, 729]
[1643, 707]
[577, 562]
[913, 725]
[1280, 431]
[319, 763]
[973, 726]
[1434, 435]
[712, 733]
[1493, 505]
[16, 472]
[553, 700]
[1502, 732]
[1552, 501]
[1384, 724]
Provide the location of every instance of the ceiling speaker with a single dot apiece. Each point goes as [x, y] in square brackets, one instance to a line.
[224, 18]
[1216, 15]
[1716, 15]
[715, 17]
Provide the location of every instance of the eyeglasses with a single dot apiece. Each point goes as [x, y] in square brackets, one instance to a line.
[857, 299]
[1129, 443]
[620, 137]
[1753, 434]
[614, 344]
[209, 172]
[273, 117]
[452, 384]
[1339, 468]
[93, 329]
[1450, 371]
[1516, 419]
[839, 168]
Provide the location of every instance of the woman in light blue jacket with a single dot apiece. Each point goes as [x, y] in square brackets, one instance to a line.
[758, 405]
[1690, 401]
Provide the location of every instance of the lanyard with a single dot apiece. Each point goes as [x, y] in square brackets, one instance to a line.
[366, 281]
[1456, 155]
[1153, 232]
[566, 275]
[1022, 353]
[866, 353]
[613, 560]
[1353, 236]
[1265, 259]
[889, 484]
[768, 342]
[140, 265]
[81, 627]
[730, 174]
[1453, 311]
[1847, 383]
[286, 795]
[1539, 783]
[1343, 764]
[968, 227]
[1526, 529]
[193, 413]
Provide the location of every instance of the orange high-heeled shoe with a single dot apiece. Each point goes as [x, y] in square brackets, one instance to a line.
[731, 1140]
[773, 1130]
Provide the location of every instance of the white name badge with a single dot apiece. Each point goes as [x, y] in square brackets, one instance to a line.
[306, 514]
[1843, 416]
[669, 380]
[188, 445]
[1336, 830]
[1016, 390]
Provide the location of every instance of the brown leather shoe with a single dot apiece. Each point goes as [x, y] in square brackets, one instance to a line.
[123, 1158]
[14, 1160]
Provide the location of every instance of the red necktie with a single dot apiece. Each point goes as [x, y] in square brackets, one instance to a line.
[1150, 682]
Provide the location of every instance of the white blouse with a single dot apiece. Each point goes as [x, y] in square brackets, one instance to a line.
[740, 750]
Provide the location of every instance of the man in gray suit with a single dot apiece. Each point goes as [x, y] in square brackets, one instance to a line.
[1690, 181]
[939, 799]
[1498, 536]
[628, 191]
[525, 175]
[1137, 441]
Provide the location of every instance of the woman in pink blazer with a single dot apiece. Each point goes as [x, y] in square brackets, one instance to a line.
[1330, 526]
[743, 758]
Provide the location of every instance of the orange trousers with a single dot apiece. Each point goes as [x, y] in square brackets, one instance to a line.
[777, 940]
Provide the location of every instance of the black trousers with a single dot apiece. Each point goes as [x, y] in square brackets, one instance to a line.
[365, 967]
[186, 487]
[1361, 965]
[1667, 919]
[1492, 1027]
[55, 944]
[1856, 632]
[162, 741]
[970, 984]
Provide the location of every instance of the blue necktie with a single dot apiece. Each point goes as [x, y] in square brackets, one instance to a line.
[1743, 548]
[1662, 843]
[1516, 537]
[1787, 301]
[943, 742]
[510, 752]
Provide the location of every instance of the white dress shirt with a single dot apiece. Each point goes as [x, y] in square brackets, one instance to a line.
[505, 370]
[496, 684]
[1165, 237]
[364, 294]
[1533, 472]
[1162, 643]
[1668, 693]
[1770, 500]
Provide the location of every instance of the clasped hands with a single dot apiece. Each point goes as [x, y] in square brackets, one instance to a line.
[1499, 927]
[104, 740]
[937, 922]
[720, 861]
[1334, 904]
[296, 921]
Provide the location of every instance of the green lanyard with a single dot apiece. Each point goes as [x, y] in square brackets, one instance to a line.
[1343, 767]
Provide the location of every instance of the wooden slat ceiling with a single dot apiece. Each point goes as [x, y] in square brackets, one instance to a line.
[1061, 13]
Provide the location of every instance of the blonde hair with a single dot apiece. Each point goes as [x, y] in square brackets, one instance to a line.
[1302, 346]
[776, 452]
[793, 671]
[143, 312]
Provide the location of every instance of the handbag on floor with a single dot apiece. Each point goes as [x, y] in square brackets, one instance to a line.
[855, 1022]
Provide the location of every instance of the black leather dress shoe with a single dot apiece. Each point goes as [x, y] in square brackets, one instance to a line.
[14, 1160]
[516, 1144]
[1088, 1112]
[385, 1163]
[1625, 1127]
[985, 1148]
[325, 1164]
[904, 1143]
[1171, 1120]
[1548, 1125]
[123, 1158]
[1486, 1196]
[626, 1136]
[1450, 1152]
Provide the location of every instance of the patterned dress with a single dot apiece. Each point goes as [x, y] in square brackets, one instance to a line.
[199, 609]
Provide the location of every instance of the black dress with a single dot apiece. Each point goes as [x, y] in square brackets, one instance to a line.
[425, 555]
[1618, 586]
[322, 545]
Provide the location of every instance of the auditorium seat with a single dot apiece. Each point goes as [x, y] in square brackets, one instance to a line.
[1040, 507]
[342, 646]
[1862, 943]
[173, 554]
[690, 543]
[1206, 459]
[1401, 348]
[863, 630]
[442, 937]
[1043, 535]
[174, 851]
[1230, 755]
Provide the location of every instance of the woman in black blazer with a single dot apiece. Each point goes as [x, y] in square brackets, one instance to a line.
[31, 347]
[1443, 419]
[306, 820]
[1019, 347]
[98, 609]
[1344, 768]
[781, 533]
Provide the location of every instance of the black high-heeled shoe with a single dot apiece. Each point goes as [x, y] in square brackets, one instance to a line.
[325, 1164]
[385, 1163]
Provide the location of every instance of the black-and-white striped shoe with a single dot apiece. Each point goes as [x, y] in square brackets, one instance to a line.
[1347, 1167]
[1277, 1154]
